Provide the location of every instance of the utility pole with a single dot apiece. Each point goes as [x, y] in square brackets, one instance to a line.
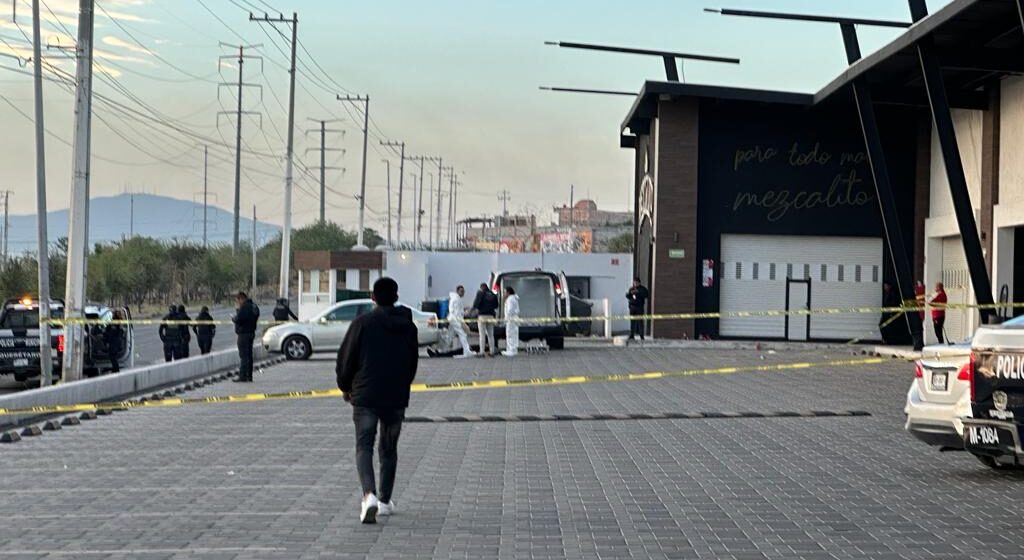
[415, 235]
[286, 234]
[440, 169]
[451, 203]
[430, 218]
[360, 246]
[572, 214]
[131, 215]
[322, 130]
[238, 112]
[388, 163]
[78, 223]
[42, 237]
[7, 223]
[455, 206]
[419, 203]
[255, 245]
[206, 154]
[430, 223]
[401, 180]
[504, 196]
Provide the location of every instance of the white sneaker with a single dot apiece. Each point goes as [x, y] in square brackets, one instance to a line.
[368, 513]
[508, 354]
[386, 508]
[469, 355]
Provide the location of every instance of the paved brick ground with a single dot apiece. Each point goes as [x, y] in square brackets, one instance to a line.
[276, 479]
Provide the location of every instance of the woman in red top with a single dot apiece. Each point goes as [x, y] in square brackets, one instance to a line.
[938, 303]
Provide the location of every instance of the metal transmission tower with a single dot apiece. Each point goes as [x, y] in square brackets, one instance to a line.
[240, 61]
[322, 130]
[401, 179]
[78, 224]
[362, 187]
[286, 231]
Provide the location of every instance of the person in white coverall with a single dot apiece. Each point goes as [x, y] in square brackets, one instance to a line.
[456, 320]
[511, 323]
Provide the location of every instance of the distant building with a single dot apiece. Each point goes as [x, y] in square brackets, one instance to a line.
[585, 214]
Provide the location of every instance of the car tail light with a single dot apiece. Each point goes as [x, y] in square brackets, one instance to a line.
[494, 288]
[558, 288]
[969, 374]
[918, 370]
[432, 322]
[60, 343]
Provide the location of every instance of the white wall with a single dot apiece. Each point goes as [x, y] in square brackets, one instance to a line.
[1009, 213]
[968, 137]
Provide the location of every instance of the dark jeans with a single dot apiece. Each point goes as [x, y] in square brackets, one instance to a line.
[245, 355]
[172, 351]
[205, 345]
[636, 326]
[114, 366]
[939, 323]
[184, 348]
[366, 420]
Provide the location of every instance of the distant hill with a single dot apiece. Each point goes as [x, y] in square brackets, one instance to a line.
[161, 217]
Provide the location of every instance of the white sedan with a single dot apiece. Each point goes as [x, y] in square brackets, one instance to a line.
[940, 395]
[325, 332]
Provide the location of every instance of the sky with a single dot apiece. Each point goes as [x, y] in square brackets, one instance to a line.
[455, 79]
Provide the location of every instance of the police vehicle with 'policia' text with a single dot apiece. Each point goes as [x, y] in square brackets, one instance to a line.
[19, 339]
[993, 434]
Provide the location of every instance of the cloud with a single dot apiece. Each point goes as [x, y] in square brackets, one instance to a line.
[117, 42]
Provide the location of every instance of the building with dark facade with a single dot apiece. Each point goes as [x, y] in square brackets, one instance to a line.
[763, 200]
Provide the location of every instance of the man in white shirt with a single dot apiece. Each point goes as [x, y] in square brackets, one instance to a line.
[456, 320]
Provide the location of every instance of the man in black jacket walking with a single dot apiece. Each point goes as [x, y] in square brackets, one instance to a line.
[186, 334]
[246, 318]
[376, 366]
[205, 330]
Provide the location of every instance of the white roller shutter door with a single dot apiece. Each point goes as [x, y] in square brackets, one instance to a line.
[957, 282]
[844, 272]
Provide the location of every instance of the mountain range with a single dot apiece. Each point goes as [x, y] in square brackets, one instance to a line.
[112, 218]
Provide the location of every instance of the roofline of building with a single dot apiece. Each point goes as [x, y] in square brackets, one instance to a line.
[651, 91]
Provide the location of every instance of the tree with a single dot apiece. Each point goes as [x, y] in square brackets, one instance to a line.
[621, 243]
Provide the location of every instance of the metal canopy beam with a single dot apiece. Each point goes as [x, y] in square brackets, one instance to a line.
[944, 129]
[668, 57]
[983, 60]
[808, 17]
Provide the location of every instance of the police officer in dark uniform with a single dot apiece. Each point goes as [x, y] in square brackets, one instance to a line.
[170, 335]
[205, 330]
[186, 334]
[113, 339]
[282, 312]
[246, 318]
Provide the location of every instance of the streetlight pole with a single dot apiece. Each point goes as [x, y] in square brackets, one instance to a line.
[360, 245]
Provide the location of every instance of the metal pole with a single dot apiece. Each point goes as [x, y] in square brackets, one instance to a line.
[238, 153]
[286, 235]
[430, 217]
[401, 181]
[254, 245]
[7, 221]
[388, 163]
[78, 234]
[451, 202]
[437, 234]
[419, 210]
[323, 172]
[206, 155]
[131, 215]
[362, 186]
[45, 358]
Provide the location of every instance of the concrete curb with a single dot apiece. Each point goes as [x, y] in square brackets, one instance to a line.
[117, 386]
[712, 344]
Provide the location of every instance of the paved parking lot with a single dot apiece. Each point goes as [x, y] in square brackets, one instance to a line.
[276, 479]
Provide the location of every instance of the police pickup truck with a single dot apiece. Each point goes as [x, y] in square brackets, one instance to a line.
[19, 339]
[993, 434]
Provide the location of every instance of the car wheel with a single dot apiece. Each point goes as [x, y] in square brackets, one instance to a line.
[556, 343]
[296, 348]
[20, 377]
[991, 463]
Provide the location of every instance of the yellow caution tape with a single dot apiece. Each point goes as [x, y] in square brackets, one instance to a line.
[547, 320]
[436, 387]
